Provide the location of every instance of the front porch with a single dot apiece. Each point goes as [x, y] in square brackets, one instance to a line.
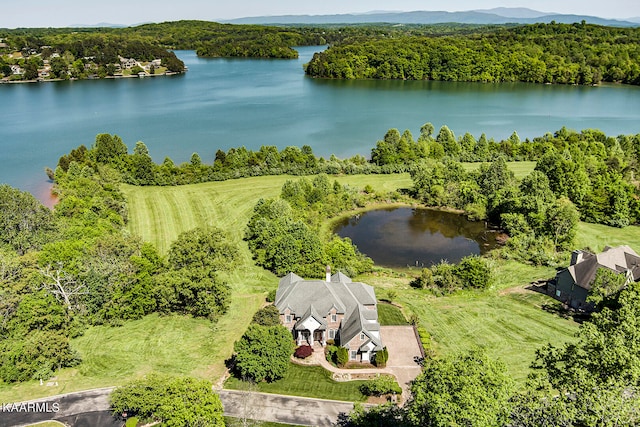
[311, 337]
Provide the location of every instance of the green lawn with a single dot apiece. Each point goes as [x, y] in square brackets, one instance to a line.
[597, 236]
[508, 320]
[390, 315]
[307, 381]
[160, 214]
[519, 169]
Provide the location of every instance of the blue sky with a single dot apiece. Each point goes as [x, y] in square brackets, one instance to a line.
[60, 13]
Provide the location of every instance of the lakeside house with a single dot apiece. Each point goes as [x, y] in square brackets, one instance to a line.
[573, 284]
[337, 309]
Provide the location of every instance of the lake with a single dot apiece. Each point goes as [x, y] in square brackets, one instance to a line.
[417, 237]
[224, 103]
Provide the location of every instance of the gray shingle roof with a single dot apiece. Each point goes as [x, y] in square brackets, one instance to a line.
[619, 259]
[315, 298]
[357, 323]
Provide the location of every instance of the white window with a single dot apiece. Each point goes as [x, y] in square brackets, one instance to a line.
[362, 336]
[334, 318]
[354, 355]
[332, 333]
[558, 292]
[287, 318]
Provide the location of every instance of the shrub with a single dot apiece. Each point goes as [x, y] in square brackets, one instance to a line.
[267, 316]
[342, 356]
[381, 358]
[303, 352]
[385, 384]
[474, 272]
[271, 296]
[425, 340]
[331, 353]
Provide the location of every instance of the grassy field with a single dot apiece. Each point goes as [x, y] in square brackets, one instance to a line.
[519, 169]
[307, 381]
[508, 320]
[596, 236]
[390, 315]
[160, 214]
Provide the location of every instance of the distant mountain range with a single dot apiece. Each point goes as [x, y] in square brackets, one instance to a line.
[501, 15]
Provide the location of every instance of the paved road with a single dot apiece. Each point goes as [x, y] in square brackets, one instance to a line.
[283, 409]
[87, 408]
[91, 409]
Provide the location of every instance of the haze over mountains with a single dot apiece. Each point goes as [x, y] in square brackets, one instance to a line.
[500, 15]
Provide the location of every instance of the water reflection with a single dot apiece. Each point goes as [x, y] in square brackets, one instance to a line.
[401, 237]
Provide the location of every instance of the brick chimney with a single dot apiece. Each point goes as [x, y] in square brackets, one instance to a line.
[576, 257]
[328, 273]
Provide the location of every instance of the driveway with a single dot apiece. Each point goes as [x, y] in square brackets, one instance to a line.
[403, 348]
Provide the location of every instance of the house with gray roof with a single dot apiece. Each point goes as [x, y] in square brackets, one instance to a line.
[572, 284]
[336, 308]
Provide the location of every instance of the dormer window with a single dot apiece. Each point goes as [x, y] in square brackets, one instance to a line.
[362, 336]
[334, 318]
[287, 318]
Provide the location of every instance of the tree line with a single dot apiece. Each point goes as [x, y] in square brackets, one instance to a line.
[594, 171]
[540, 53]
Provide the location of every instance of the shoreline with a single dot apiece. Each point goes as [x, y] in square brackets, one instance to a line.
[40, 80]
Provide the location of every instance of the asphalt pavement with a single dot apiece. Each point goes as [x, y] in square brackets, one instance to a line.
[91, 409]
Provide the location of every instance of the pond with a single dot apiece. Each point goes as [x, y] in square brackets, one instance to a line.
[405, 237]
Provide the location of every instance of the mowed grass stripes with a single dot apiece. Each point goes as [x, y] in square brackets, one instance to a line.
[160, 214]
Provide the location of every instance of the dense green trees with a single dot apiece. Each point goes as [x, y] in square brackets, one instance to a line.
[465, 389]
[538, 53]
[172, 401]
[529, 211]
[472, 272]
[284, 235]
[24, 222]
[263, 352]
[63, 271]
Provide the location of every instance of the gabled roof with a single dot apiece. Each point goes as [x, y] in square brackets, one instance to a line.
[311, 313]
[619, 259]
[356, 324]
[315, 299]
[339, 277]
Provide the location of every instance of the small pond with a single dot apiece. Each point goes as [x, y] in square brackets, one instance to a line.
[405, 237]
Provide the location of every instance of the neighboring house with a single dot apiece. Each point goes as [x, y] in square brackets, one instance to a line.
[128, 63]
[334, 309]
[572, 284]
[15, 69]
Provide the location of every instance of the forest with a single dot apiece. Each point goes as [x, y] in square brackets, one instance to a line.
[578, 53]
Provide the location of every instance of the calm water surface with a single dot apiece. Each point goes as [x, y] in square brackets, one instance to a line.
[223, 103]
[402, 237]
